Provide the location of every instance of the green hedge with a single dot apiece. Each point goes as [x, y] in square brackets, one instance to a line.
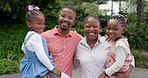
[13, 30]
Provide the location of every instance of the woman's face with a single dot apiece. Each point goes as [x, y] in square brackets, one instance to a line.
[91, 28]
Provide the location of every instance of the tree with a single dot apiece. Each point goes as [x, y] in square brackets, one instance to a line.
[140, 11]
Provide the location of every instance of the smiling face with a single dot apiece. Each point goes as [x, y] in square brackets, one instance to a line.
[37, 24]
[91, 28]
[114, 29]
[66, 19]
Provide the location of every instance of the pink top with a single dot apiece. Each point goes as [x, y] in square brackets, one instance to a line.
[111, 59]
[62, 48]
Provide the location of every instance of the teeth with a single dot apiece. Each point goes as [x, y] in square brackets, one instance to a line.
[91, 33]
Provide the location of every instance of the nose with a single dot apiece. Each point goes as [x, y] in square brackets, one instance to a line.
[110, 31]
[66, 19]
[91, 28]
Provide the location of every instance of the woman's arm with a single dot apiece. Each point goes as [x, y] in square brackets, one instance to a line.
[125, 75]
[76, 63]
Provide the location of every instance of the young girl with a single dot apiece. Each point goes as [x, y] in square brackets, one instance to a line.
[37, 63]
[120, 56]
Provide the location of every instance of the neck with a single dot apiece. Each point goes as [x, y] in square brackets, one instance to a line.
[92, 42]
[118, 38]
[63, 32]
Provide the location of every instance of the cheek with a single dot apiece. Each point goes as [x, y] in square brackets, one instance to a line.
[98, 29]
[85, 30]
[72, 22]
[59, 19]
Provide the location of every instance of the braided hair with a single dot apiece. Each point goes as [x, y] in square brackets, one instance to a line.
[120, 18]
[33, 11]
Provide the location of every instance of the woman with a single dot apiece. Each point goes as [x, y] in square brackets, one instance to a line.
[92, 51]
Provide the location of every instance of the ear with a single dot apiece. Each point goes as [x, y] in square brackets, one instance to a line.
[100, 29]
[28, 24]
[75, 20]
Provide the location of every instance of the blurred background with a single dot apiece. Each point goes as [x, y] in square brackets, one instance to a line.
[13, 25]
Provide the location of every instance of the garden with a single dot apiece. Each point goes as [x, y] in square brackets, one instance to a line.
[13, 27]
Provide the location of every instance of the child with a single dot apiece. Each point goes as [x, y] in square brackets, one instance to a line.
[120, 56]
[37, 63]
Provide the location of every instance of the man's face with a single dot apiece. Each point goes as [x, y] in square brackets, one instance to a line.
[66, 19]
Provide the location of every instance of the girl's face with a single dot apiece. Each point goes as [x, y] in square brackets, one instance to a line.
[66, 19]
[114, 29]
[37, 24]
[91, 28]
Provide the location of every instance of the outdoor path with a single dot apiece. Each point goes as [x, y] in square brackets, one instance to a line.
[136, 73]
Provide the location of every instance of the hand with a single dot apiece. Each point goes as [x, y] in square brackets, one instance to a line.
[57, 72]
[126, 74]
[107, 38]
[102, 75]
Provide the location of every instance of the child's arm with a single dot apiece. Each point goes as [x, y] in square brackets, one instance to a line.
[120, 56]
[37, 46]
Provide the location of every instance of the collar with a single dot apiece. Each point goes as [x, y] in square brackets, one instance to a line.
[83, 41]
[57, 33]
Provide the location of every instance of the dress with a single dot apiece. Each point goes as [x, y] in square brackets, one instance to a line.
[31, 66]
[121, 46]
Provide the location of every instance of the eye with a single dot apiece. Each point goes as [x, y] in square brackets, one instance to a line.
[87, 26]
[108, 28]
[95, 26]
[39, 23]
[115, 29]
[71, 18]
[63, 16]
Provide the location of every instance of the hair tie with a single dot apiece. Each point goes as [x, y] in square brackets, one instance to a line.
[30, 7]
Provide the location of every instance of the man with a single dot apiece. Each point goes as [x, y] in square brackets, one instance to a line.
[62, 41]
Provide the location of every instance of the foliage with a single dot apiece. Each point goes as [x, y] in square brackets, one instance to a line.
[8, 66]
[13, 11]
[14, 29]
[137, 35]
[141, 58]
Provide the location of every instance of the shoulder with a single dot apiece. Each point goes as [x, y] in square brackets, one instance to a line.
[102, 38]
[36, 37]
[47, 33]
[32, 34]
[33, 38]
[75, 34]
[122, 43]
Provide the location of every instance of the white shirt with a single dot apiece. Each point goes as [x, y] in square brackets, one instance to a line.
[35, 44]
[92, 61]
